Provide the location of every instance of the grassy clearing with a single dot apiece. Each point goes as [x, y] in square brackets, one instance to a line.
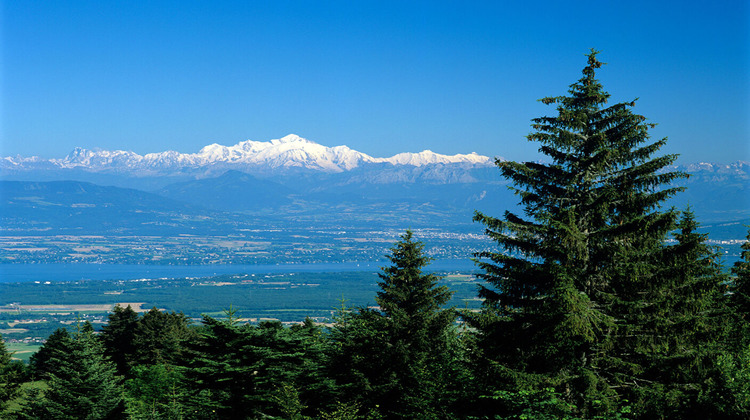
[12, 330]
[104, 307]
[22, 351]
[302, 310]
[95, 307]
[460, 277]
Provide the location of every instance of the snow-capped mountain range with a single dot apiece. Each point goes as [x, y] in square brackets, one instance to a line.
[280, 174]
[290, 151]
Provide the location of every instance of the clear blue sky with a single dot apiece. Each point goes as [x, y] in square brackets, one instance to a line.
[381, 77]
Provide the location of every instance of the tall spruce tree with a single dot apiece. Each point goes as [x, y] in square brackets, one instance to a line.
[735, 362]
[686, 313]
[564, 295]
[419, 330]
[400, 358]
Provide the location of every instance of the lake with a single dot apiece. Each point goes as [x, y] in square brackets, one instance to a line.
[13, 273]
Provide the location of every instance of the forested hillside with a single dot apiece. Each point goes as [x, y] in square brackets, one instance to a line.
[599, 303]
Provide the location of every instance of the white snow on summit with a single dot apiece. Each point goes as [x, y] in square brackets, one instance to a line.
[286, 152]
[428, 157]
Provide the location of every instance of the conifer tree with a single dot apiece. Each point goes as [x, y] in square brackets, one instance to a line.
[238, 370]
[734, 393]
[43, 361]
[218, 381]
[564, 294]
[286, 358]
[83, 383]
[686, 311]
[155, 392]
[418, 328]
[159, 337]
[741, 286]
[10, 380]
[358, 359]
[399, 357]
[118, 337]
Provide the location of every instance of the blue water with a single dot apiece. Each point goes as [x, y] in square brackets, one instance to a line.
[13, 273]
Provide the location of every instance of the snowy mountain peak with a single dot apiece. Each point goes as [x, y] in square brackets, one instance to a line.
[78, 155]
[291, 151]
[213, 149]
[428, 157]
[291, 138]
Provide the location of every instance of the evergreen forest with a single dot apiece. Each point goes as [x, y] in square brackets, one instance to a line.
[598, 303]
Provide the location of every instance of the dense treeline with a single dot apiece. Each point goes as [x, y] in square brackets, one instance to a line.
[589, 312]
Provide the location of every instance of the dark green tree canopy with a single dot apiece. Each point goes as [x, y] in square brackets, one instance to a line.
[600, 185]
[741, 287]
[83, 383]
[43, 361]
[563, 294]
[159, 337]
[118, 337]
[397, 359]
[10, 380]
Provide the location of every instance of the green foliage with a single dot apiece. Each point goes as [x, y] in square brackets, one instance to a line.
[82, 382]
[289, 404]
[687, 313]
[358, 352]
[28, 391]
[159, 336]
[43, 361]
[741, 284]
[734, 398]
[408, 296]
[235, 369]
[118, 337]
[350, 411]
[732, 391]
[155, 392]
[342, 411]
[583, 290]
[399, 358]
[11, 375]
[544, 404]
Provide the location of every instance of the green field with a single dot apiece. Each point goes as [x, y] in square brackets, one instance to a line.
[22, 351]
[30, 312]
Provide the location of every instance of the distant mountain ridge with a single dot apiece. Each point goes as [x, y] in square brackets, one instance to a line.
[293, 174]
[74, 206]
[232, 191]
[290, 151]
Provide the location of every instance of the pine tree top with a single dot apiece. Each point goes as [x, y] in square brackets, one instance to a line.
[405, 288]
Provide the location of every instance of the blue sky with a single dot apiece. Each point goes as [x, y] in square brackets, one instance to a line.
[381, 77]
